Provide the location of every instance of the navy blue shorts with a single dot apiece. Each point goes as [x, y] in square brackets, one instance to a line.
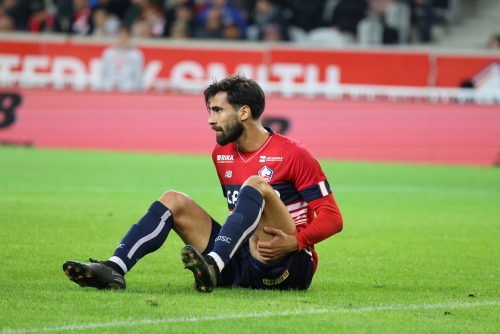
[293, 272]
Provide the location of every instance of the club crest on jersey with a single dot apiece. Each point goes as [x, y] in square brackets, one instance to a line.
[266, 173]
[225, 158]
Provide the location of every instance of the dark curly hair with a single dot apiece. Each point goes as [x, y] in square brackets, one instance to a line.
[240, 92]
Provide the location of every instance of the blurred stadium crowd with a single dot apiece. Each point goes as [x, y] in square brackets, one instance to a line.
[355, 21]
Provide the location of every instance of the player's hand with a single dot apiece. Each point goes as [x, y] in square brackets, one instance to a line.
[280, 245]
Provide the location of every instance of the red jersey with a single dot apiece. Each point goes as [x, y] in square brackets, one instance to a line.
[293, 173]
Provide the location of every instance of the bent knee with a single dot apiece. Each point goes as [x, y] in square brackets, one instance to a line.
[255, 182]
[258, 183]
[174, 200]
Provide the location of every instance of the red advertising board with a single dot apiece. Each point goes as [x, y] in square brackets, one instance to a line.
[347, 130]
[454, 70]
[362, 66]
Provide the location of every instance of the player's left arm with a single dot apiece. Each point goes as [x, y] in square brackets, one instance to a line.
[328, 221]
[310, 180]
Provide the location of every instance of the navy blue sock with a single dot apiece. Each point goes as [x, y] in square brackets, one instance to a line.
[239, 226]
[144, 237]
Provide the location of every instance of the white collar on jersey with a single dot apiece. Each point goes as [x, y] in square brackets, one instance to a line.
[258, 151]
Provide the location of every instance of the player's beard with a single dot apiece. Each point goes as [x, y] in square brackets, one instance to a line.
[229, 135]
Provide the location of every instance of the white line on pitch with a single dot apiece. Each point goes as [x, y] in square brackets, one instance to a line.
[130, 323]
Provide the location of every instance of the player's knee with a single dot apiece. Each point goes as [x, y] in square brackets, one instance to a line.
[258, 183]
[174, 200]
[254, 181]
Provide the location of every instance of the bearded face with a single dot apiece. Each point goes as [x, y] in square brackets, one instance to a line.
[230, 132]
[224, 120]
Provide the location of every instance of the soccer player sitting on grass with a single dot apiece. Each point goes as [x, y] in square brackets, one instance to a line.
[280, 203]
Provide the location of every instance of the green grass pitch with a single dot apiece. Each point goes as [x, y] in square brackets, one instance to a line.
[420, 250]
